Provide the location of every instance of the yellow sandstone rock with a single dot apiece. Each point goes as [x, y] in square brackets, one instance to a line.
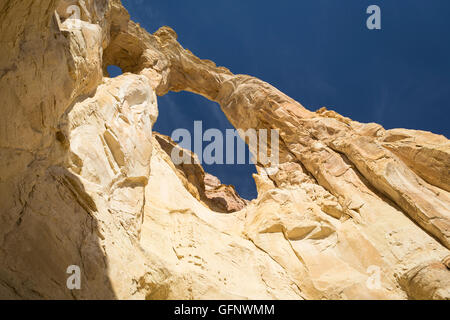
[84, 181]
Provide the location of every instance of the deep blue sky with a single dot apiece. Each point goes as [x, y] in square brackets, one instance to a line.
[320, 53]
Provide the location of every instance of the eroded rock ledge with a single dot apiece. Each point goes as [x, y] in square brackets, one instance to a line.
[83, 181]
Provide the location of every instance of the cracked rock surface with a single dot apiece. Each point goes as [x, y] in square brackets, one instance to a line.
[84, 181]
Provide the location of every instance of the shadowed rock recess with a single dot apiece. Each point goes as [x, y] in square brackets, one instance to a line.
[84, 181]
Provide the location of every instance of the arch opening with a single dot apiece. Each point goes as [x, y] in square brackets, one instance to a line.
[206, 132]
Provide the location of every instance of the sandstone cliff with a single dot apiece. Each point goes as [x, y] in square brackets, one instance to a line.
[84, 181]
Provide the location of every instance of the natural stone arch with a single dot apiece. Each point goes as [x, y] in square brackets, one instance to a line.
[324, 142]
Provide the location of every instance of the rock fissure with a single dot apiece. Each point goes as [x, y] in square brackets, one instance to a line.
[105, 195]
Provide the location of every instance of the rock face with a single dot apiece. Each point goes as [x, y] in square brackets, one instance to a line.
[354, 211]
[203, 186]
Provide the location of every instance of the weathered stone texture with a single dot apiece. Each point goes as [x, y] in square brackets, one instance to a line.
[84, 181]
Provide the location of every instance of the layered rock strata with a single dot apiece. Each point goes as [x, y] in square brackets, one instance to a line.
[354, 211]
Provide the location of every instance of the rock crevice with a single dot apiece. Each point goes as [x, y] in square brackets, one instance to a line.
[84, 181]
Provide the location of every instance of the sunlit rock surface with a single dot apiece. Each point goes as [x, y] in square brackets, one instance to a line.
[84, 181]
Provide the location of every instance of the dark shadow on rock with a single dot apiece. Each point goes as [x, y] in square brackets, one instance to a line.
[56, 229]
